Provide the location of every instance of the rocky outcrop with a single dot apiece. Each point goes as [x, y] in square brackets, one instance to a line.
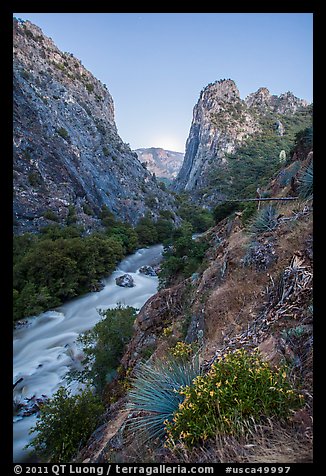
[69, 160]
[163, 163]
[222, 122]
[264, 101]
[148, 270]
[125, 281]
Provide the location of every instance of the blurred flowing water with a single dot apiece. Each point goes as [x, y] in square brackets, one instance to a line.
[45, 349]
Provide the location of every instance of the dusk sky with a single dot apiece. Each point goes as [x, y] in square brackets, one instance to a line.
[156, 64]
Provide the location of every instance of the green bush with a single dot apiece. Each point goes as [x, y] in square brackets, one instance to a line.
[63, 133]
[248, 210]
[34, 179]
[87, 209]
[103, 346]
[200, 218]
[224, 210]
[71, 216]
[59, 264]
[182, 256]
[89, 87]
[106, 151]
[64, 425]
[50, 215]
[239, 390]
[146, 231]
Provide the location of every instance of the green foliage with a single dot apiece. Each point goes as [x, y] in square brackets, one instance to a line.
[89, 87]
[107, 217]
[164, 230]
[182, 351]
[239, 390]
[71, 217]
[256, 162]
[50, 215]
[200, 218]
[63, 133]
[106, 151]
[306, 182]
[183, 256]
[87, 209]
[34, 179]
[59, 264]
[64, 425]
[125, 234]
[103, 346]
[151, 202]
[155, 394]
[265, 219]
[248, 210]
[146, 231]
[304, 138]
[224, 210]
[166, 214]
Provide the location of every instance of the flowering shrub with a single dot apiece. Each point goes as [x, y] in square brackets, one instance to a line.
[181, 350]
[240, 388]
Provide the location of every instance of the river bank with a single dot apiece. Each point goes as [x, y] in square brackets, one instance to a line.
[44, 350]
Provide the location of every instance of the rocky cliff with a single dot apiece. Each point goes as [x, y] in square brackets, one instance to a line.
[68, 156]
[163, 163]
[253, 291]
[222, 122]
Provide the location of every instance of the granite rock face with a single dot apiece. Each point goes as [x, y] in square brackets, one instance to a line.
[67, 154]
[222, 122]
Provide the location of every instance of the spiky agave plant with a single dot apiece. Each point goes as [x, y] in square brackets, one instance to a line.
[155, 394]
[265, 220]
[306, 182]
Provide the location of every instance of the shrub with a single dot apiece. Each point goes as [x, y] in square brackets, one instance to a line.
[182, 350]
[224, 210]
[265, 220]
[184, 256]
[63, 133]
[103, 346]
[155, 393]
[50, 215]
[64, 424]
[71, 216]
[106, 151]
[238, 389]
[89, 87]
[248, 211]
[34, 179]
[87, 209]
[306, 182]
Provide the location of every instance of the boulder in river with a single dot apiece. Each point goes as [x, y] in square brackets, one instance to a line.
[125, 281]
[148, 270]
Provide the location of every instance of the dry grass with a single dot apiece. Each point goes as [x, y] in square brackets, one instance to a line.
[269, 443]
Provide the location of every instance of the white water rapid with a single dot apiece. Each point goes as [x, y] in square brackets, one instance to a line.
[45, 349]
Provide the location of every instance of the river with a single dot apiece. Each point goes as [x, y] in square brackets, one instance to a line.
[45, 349]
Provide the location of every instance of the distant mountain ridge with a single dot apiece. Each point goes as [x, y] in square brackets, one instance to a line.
[164, 163]
[68, 158]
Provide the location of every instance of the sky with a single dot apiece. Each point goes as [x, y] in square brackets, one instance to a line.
[156, 64]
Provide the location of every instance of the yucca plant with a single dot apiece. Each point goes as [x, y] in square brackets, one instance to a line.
[306, 183]
[155, 393]
[265, 220]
